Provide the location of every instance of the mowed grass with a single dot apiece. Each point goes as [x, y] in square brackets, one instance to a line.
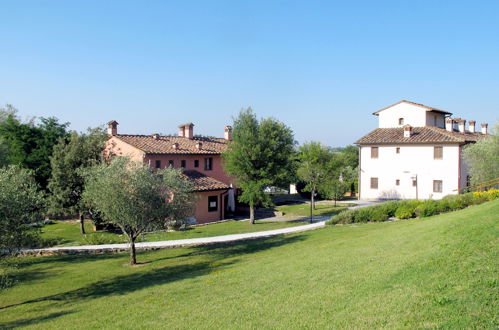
[67, 233]
[423, 273]
[303, 209]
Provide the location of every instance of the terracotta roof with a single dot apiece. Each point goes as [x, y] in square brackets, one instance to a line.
[416, 104]
[427, 134]
[164, 144]
[203, 182]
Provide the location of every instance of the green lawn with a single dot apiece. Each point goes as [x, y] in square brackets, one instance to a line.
[303, 209]
[422, 273]
[67, 233]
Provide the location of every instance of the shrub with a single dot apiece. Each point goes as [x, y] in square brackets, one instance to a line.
[405, 211]
[427, 209]
[390, 208]
[344, 217]
[488, 195]
[363, 214]
[378, 213]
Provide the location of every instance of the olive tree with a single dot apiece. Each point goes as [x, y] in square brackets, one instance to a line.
[129, 195]
[482, 158]
[21, 203]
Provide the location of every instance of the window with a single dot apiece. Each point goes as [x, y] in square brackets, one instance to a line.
[374, 152]
[397, 150]
[401, 121]
[438, 152]
[212, 203]
[208, 164]
[437, 186]
[182, 163]
[171, 163]
[397, 182]
[158, 164]
[196, 163]
[374, 183]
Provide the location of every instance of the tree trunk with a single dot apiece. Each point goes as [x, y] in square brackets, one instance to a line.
[312, 206]
[252, 214]
[133, 257]
[82, 223]
[313, 198]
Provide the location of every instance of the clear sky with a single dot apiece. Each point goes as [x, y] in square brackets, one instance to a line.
[322, 67]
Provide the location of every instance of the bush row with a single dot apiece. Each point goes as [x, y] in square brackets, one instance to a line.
[412, 208]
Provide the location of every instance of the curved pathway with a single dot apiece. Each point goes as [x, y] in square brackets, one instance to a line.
[320, 222]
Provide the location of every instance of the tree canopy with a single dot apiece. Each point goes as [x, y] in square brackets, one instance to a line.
[21, 203]
[30, 144]
[482, 158]
[129, 195]
[259, 155]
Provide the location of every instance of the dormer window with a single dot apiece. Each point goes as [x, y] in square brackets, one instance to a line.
[401, 121]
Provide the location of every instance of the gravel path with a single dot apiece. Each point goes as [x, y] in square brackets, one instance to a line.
[319, 222]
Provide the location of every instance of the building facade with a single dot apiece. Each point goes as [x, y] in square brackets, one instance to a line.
[198, 157]
[415, 153]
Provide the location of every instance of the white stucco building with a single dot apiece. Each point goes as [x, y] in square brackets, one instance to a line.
[415, 153]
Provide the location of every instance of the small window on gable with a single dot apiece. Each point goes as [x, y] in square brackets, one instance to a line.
[437, 186]
[158, 164]
[401, 121]
[196, 162]
[171, 163]
[397, 150]
[374, 183]
[374, 152]
[438, 152]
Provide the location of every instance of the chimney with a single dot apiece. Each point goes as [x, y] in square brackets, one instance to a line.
[461, 123]
[472, 126]
[407, 131]
[112, 127]
[155, 136]
[228, 133]
[199, 145]
[175, 146]
[449, 122]
[186, 130]
[484, 128]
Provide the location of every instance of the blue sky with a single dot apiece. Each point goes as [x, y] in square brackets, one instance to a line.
[322, 67]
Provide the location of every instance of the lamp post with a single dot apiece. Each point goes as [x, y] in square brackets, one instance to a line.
[415, 179]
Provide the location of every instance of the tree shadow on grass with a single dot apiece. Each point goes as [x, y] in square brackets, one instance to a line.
[33, 320]
[124, 284]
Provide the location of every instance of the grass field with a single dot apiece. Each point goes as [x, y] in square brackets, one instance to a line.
[423, 273]
[67, 233]
[303, 209]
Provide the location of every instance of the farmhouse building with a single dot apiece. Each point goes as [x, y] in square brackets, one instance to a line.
[416, 152]
[198, 157]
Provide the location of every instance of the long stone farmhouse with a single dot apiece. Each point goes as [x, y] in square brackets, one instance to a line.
[198, 157]
[416, 152]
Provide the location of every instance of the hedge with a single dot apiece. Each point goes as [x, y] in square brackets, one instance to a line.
[412, 208]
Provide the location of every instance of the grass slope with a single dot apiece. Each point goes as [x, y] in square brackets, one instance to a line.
[433, 272]
[67, 233]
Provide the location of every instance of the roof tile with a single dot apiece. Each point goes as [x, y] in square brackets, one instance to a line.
[164, 144]
[427, 134]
